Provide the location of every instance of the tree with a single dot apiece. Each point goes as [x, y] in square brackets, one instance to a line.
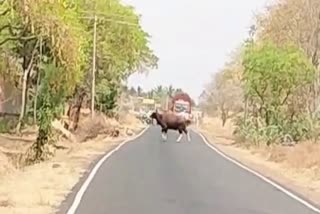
[170, 90]
[122, 48]
[297, 22]
[223, 96]
[132, 91]
[139, 91]
[273, 77]
[51, 42]
[294, 21]
[224, 93]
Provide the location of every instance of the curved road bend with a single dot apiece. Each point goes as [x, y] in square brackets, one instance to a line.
[151, 177]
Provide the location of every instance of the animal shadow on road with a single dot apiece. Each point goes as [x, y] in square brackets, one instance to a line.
[171, 137]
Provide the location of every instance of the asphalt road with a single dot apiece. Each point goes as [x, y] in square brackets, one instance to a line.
[148, 176]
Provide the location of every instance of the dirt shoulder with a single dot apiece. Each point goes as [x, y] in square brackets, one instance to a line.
[39, 189]
[297, 168]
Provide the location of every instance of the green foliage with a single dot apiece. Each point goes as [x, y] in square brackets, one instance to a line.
[161, 92]
[247, 131]
[52, 92]
[122, 48]
[64, 31]
[7, 124]
[52, 95]
[106, 96]
[273, 77]
[273, 73]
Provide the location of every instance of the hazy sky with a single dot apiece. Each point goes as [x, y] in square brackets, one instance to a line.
[192, 38]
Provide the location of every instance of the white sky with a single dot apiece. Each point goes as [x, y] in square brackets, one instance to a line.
[192, 38]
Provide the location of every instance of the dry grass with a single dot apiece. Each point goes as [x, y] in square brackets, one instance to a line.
[91, 128]
[214, 126]
[6, 166]
[305, 155]
[297, 167]
[41, 188]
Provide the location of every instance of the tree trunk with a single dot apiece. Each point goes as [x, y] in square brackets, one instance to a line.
[245, 109]
[24, 96]
[37, 87]
[224, 116]
[74, 109]
[26, 72]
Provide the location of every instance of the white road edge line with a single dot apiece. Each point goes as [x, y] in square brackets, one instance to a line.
[265, 179]
[85, 185]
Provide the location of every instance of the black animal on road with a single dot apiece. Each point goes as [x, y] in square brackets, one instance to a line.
[169, 120]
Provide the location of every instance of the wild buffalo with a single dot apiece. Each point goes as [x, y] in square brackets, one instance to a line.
[169, 120]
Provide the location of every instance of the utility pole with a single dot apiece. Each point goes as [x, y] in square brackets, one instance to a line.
[112, 19]
[38, 84]
[93, 84]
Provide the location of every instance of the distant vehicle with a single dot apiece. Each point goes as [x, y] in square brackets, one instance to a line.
[144, 116]
[181, 104]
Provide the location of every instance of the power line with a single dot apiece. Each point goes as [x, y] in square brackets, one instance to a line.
[112, 20]
[109, 15]
[96, 18]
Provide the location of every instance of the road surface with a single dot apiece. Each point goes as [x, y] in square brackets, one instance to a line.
[148, 176]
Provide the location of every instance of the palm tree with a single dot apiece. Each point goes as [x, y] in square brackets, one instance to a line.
[159, 90]
[178, 90]
[139, 90]
[170, 90]
[132, 91]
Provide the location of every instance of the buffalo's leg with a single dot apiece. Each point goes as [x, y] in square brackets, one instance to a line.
[180, 135]
[164, 134]
[185, 130]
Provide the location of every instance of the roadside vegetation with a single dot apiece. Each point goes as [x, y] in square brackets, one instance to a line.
[159, 94]
[267, 96]
[48, 52]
